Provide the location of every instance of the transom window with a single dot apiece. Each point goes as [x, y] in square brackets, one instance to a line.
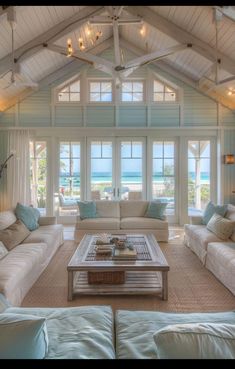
[132, 91]
[161, 92]
[100, 91]
[70, 92]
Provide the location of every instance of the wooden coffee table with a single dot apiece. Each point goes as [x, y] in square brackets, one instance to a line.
[146, 275]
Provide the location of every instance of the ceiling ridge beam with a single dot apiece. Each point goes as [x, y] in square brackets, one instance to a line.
[182, 36]
[179, 75]
[51, 35]
[56, 75]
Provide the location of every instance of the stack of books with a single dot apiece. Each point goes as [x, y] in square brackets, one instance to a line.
[124, 254]
[104, 249]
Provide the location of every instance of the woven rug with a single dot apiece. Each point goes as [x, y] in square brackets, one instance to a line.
[192, 288]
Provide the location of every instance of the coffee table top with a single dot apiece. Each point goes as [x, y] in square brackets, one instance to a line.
[149, 255]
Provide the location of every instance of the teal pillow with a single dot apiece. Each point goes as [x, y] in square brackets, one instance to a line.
[22, 336]
[196, 341]
[156, 210]
[87, 209]
[28, 215]
[211, 209]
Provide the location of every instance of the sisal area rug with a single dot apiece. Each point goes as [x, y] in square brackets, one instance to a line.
[192, 288]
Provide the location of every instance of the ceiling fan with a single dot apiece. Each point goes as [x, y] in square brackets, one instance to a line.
[18, 77]
[118, 69]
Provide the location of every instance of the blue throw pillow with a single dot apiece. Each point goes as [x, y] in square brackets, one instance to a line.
[22, 336]
[87, 209]
[211, 209]
[28, 215]
[156, 210]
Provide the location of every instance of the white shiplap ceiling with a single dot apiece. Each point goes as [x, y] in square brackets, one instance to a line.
[48, 24]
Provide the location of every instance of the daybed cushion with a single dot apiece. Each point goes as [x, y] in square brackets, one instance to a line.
[196, 341]
[100, 223]
[84, 332]
[135, 329]
[133, 208]
[198, 237]
[107, 209]
[220, 261]
[142, 223]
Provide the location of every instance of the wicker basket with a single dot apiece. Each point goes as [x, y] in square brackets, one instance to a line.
[117, 277]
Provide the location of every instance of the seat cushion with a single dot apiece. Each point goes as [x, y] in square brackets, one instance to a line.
[221, 262]
[135, 329]
[99, 223]
[107, 209]
[44, 234]
[84, 332]
[133, 208]
[142, 223]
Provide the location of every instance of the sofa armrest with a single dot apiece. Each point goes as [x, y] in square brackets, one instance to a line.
[47, 221]
[196, 219]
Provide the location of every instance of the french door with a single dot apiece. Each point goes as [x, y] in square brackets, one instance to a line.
[116, 168]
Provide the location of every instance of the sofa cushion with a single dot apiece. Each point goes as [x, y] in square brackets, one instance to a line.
[14, 234]
[84, 332]
[196, 341]
[201, 234]
[221, 262]
[156, 210]
[3, 250]
[44, 234]
[107, 209]
[100, 223]
[6, 219]
[231, 216]
[135, 329]
[17, 264]
[22, 336]
[211, 209]
[87, 209]
[4, 304]
[28, 215]
[221, 227]
[133, 208]
[142, 223]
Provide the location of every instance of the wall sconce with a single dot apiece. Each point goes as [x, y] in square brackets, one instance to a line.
[229, 159]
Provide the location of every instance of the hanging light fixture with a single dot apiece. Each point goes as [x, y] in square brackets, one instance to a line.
[81, 44]
[69, 48]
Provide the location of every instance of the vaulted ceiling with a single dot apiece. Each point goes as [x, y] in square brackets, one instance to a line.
[39, 28]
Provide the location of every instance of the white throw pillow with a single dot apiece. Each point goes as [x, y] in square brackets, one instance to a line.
[196, 341]
[3, 250]
[7, 218]
[221, 227]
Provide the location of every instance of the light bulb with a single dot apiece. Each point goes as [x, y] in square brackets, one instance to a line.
[69, 47]
[230, 93]
[142, 31]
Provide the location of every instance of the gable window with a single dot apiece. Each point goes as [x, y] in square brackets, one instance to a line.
[69, 92]
[132, 91]
[100, 91]
[161, 92]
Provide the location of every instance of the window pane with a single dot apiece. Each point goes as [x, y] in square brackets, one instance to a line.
[64, 150]
[205, 149]
[193, 149]
[158, 87]
[168, 167]
[137, 149]
[106, 97]
[106, 87]
[94, 97]
[137, 97]
[66, 89]
[63, 97]
[75, 87]
[170, 96]
[75, 148]
[158, 96]
[168, 149]
[126, 149]
[126, 86]
[138, 87]
[75, 96]
[157, 149]
[158, 167]
[75, 167]
[95, 86]
[96, 149]
[107, 149]
[126, 96]
[64, 167]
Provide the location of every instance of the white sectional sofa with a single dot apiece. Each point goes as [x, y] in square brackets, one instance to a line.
[22, 266]
[217, 255]
[122, 217]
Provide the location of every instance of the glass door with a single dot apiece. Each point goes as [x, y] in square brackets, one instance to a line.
[131, 171]
[101, 169]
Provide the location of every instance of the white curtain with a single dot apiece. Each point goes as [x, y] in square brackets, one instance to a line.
[18, 168]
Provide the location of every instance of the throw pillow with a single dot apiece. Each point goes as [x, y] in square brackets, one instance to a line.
[156, 210]
[211, 209]
[22, 336]
[196, 341]
[221, 227]
[3, 250]
[14, 235]
[6, 219]
[87, 209]
[4, 304]
[28, 215]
